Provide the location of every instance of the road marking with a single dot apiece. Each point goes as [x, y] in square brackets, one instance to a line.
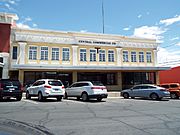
[30, 101]
[74, 101]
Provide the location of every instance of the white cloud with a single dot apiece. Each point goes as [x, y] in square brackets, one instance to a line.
[126, 29]
[170, 20]
[178, 44]
[175, 38]
[12, 2]
[167, 58]
[23, 26]
[83, 31]
[28, 19]
[35, 25]
[152, 32]
[139, 16]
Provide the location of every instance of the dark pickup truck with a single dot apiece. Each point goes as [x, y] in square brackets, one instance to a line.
[10, 88]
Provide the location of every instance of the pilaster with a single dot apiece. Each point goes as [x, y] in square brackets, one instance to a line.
[119, 55]
[21, 57]
[74, 55]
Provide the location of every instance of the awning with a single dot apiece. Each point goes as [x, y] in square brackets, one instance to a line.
[105, 68]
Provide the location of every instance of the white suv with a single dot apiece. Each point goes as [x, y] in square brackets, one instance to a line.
[46, 88]
[86, 90]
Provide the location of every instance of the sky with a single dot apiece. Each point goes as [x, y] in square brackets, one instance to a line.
[152, 19]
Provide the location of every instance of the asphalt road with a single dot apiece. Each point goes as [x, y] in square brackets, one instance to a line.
[109, 117]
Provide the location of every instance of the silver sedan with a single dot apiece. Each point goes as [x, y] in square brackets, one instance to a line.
[146, 91]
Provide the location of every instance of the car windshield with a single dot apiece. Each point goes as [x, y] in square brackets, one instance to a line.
[55, 83]
[7, 83]
[174, 85]
[97, 83]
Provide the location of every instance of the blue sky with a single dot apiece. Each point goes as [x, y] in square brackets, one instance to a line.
[158, 19]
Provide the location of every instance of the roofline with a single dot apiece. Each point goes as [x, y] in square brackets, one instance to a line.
[86, 33]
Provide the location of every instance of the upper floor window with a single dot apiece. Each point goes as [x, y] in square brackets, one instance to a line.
[55, 53]
[125, 56]
[111, 56]
[82, 54]
[133, 57]
[92, 55]
[149, 57]
[32, 53]
[65, 53]
[102, 55]
[141, 56]
[44, 53]
[14, 54]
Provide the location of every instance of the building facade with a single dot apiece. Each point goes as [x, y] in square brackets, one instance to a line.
[6, 21]
[117, 61]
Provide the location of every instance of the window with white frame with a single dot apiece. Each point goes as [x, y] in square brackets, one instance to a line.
[125, 56]
[44, 53]
[110, 55]
[102, 55]
[82, 54]
[133, 57]
[141, 56]
[55, 53]
[92, 55]
[32, 53]
[149, 57]
[66, 54]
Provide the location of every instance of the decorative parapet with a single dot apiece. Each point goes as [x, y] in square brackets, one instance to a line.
[71, 38]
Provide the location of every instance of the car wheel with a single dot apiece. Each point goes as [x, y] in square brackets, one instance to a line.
[99, 99]
[40, 96]
[18, 98]
[59, 98]
[84, 97]
[65, 96]
[28, 95]
[78, 98]
[154, 96]
[126, 95]
[173, 95]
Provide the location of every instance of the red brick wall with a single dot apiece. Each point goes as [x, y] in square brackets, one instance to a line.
[170, 76]
[5, 30]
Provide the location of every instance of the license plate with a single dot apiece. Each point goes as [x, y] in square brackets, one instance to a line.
[56, 89]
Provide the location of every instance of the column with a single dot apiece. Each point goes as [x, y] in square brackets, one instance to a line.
[74, 75]
[157, 77]
[75, 55]
[22, 49]
[155, 57]
[5, 71]
[119, 56]
[119, 79]
[21, 76]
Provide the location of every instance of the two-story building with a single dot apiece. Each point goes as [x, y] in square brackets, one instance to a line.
[116, 61]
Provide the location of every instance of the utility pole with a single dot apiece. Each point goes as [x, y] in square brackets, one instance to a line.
[102, 16]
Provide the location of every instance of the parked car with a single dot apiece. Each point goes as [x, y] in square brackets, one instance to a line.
[10, 88]
[86, 90]
[45, 88]
[147, 91]
[173, 88]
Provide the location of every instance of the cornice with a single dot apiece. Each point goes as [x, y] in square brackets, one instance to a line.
[81, 39]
